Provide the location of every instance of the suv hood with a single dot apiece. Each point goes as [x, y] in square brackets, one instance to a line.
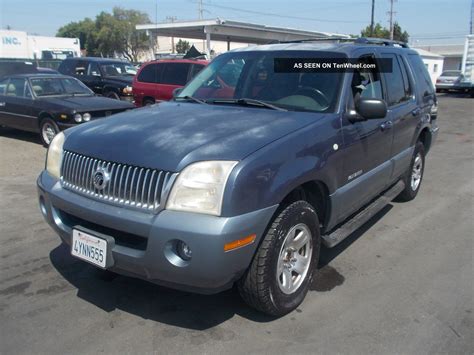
[173, 135]
[120, 79]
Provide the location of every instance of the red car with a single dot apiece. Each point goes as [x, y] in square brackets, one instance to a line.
[156, 80]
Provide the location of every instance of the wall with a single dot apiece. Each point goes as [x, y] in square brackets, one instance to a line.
[435, 67]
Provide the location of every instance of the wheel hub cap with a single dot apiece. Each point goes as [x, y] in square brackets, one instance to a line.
[416, 172]
[294, 258]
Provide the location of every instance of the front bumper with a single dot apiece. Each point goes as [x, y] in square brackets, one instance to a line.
[210, 269]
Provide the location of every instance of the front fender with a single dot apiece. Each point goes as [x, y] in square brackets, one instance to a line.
[267, 176]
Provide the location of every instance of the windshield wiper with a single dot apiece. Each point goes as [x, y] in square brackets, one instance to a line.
[191, 98]
[250, 102]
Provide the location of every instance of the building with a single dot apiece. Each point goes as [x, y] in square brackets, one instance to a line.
[452, 54]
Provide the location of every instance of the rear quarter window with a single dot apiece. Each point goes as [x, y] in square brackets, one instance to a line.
[175, 74]
[422, 77]
[150, 73]
[66, 67]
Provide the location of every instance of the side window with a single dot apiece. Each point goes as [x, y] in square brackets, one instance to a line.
[423, 80]
[93, 69]
[195, 70]
[16, 87]
[80, 68]
[151, 73]
[366, 83]
[394, 81]
[406, 80]
[175, 74]
[3, 86]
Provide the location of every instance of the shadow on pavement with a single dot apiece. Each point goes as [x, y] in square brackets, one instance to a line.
[21, 135]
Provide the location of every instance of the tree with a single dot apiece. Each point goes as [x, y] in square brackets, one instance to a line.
[382, 32]
[182, 46]
[111, 34]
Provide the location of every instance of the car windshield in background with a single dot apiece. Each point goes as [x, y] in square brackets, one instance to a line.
[58, 87]
[451, 73]
[248, 78]
[117, 69]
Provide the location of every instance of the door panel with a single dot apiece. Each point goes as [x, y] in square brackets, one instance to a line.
[16, 106]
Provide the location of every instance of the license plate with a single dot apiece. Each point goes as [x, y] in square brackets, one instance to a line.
[89, 248]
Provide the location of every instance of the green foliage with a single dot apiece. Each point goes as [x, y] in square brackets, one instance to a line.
[110, 35]
[182, 46]
[383, 32]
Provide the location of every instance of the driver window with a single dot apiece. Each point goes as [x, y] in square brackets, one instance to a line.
[93, 69]
[366, 82]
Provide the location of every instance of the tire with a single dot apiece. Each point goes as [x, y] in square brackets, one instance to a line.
[265, 285]
[148, 102]
[112, 95]
[414, 175]
[48, 129]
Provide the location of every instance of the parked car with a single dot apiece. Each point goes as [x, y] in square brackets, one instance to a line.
[156, 80]
[111, 78]
[49, 104]
[448, 80]
[243, 182]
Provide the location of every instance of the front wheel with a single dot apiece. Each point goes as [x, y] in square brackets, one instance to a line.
[112, 95]
[48, 129]
[414, 175]
[282, 269]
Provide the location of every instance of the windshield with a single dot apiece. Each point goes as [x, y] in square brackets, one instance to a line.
[116, 69]
[244, 77]
[451, 73]
[59, 86]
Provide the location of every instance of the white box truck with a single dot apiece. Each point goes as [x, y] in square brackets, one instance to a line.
[467, 68]
[20, 45]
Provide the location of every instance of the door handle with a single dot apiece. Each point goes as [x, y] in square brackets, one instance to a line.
[386, 125]
[416, 112]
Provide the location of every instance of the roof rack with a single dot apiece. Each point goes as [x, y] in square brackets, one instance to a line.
[359, 40]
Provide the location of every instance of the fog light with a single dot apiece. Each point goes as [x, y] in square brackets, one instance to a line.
[78, 118]
[184, 251]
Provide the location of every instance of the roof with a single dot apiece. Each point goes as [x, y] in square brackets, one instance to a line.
[446, 50]
[99, 59]
[427, 54]
[36, 75]
[234, 31]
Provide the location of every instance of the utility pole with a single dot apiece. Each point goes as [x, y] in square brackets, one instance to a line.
[200, 9]
[171, 19]
[391, 13]
[372, 20]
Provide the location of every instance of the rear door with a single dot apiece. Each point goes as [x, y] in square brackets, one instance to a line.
[17, 105]
[175, 75]
[146, 84]
[403, 111]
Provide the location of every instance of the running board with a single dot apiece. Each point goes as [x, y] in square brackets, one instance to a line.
[341, 233]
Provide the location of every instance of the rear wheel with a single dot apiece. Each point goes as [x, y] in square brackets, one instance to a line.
[414, 175]
[148, 102]
[48, 129]
[282, 269]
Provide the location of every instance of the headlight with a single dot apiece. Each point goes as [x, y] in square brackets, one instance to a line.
[127, 90]
[200, 187]
[86, 117]
[78, 118]
[55, 155]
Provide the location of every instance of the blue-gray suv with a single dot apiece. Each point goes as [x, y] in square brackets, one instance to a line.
[259, 160]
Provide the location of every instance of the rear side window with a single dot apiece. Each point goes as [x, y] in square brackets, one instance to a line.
[66, 67]
[422, 77]
[151, 73]
[175, 74]
[395, 83]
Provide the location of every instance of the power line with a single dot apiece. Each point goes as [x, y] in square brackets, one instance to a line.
[274, 14]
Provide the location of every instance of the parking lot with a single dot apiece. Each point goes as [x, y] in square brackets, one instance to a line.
[403, 284]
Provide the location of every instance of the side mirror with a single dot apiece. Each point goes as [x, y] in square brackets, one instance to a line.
[371, 108]
[177, 91]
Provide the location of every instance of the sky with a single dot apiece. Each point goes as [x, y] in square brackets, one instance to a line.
[427, 21]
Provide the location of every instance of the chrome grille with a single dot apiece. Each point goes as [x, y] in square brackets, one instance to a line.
[127, 185]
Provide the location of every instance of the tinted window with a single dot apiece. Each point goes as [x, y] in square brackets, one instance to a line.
[175, 74]
[67, 66]
[151, 73]
[406, 80]
[366, 82]
[93, 69]
[17, 87]
[423, 80]
[394, 81]
[3, 86]
[196, 69]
